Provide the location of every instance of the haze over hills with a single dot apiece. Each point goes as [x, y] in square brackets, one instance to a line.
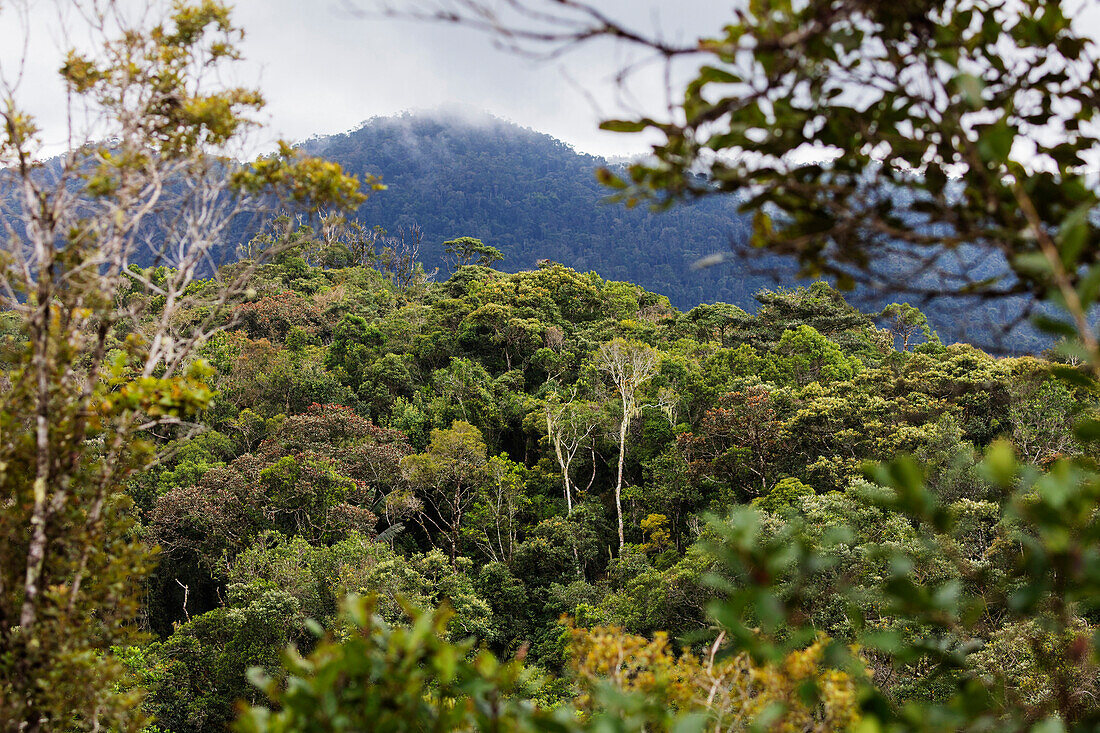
[535, 197]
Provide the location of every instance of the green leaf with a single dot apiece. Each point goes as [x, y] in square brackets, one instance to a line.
[868, 724]
[768, 717]
[762, 229]
[711, 74]
[1052, 325]
[1033, 264]
[691, 723]
[1000, 464]
[624, 125]
[971, 88]
[1050, 725]
[1089, 286]
[1074, 376]
[1073, 234]
[995, 142]
[1088, 430]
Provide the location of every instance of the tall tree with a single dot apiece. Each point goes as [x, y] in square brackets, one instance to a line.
[470, 251]
[904, 322]
[448, 477]
[629, 365]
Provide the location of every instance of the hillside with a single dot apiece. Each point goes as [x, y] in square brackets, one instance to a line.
[534, 197]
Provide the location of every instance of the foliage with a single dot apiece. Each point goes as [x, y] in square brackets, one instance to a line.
[955, 171]
[841, 526]
[445, 485]
[470, 251]
[721, 693]
[104, 353]
[388, 678]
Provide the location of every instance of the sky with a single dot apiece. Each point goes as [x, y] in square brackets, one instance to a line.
[325, 68]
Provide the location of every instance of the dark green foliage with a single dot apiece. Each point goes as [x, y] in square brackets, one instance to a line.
[429, 476]
[387, 678]
[196, 675]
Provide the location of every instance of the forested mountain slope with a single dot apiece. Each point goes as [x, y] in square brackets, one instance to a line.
[534, 197]
[459, 441]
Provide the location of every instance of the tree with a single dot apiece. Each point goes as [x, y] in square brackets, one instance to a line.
[448, 477]
[196, 675]
[740, 437]
[803, 356]
[629, 365]
[398, 256]
[568, 426]
[818, 306]
[343, 242]
[495, 517]
[469, 251]
[904, 322]
[465, 391]
[351, 351]
[104, 354]
[515, 336]
[714, 321]
[1043, 412]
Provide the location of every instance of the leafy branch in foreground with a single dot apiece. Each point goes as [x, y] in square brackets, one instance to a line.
[107, 355]
[1037, 576]
[396, 678]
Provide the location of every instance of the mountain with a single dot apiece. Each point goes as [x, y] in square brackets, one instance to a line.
[534, 197]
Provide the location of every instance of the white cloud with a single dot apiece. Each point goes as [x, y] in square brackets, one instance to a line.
[325, 69]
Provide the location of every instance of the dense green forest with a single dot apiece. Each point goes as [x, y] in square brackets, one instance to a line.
[330, 486]
[535, 198]
[459, 442]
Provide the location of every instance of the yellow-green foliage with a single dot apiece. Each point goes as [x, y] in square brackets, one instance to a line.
[800, 693]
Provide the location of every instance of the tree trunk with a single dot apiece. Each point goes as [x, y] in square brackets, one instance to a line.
[36, 551]
[619, 481]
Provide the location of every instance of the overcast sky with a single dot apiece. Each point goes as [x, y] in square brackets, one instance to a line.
[325, 69]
